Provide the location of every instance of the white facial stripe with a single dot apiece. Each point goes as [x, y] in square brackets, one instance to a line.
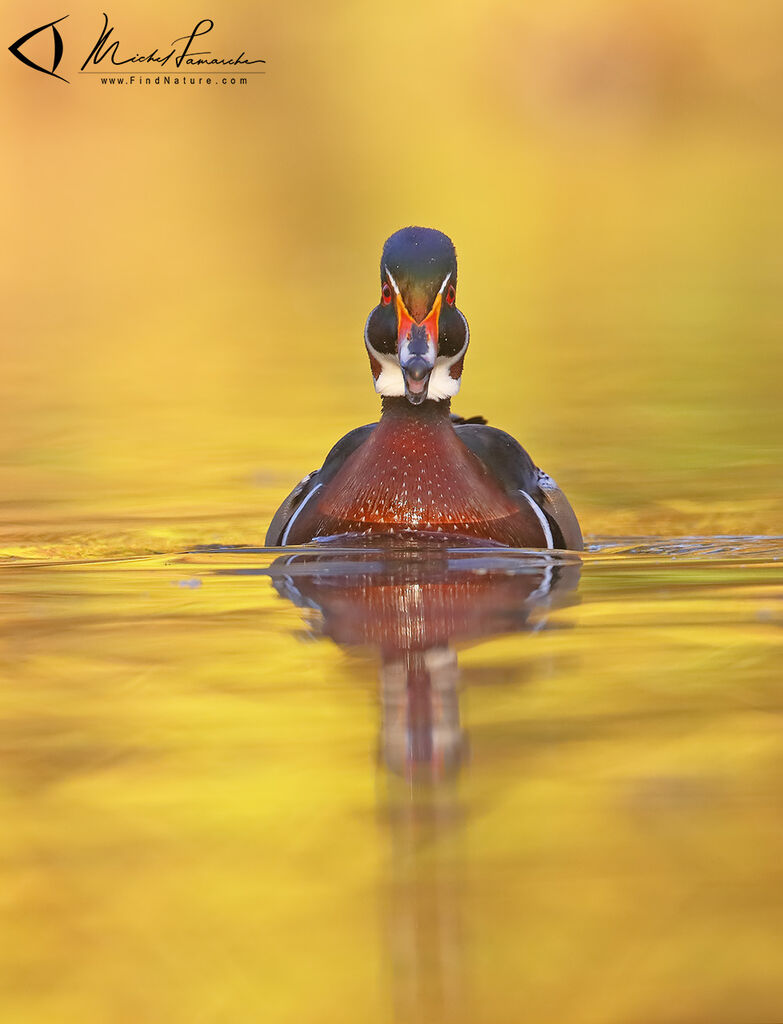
[392, 282]
[442, 384]
[389, 382]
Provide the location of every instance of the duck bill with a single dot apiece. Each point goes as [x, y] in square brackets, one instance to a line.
[417, 350]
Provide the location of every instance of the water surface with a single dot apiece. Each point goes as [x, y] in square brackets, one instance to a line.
[238, 786]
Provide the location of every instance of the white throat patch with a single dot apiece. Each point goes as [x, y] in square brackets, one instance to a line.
[391, 384]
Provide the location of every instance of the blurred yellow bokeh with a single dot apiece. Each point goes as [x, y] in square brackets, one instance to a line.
[188, 270]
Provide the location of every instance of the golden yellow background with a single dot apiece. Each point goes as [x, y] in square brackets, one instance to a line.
[194, 827]
[187, 270]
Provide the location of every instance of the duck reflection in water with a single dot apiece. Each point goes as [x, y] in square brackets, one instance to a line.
[413, 600]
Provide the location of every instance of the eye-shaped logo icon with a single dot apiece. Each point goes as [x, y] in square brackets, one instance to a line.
[57, 41]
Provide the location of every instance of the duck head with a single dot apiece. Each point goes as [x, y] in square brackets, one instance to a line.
[416, 336]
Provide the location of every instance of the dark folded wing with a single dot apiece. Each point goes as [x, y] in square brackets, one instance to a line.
[283, 518]
[557, 508]
[511, 465]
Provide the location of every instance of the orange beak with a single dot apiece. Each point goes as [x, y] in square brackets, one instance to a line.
[417, 348]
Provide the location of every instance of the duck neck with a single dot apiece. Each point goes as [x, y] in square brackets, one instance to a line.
[428, 413]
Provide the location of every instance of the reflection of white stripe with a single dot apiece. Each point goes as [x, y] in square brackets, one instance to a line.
[293, 518]
[541, 518]
[542, 590]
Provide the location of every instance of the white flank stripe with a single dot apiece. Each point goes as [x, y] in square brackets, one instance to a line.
[541, 518]
[293, 518]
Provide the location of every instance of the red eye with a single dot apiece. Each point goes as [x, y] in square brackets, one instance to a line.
[450, 295]
[386, 294]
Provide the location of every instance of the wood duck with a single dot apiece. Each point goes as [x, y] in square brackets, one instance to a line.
[421, 469]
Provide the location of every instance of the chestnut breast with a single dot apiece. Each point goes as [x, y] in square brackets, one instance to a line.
[417, 475]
